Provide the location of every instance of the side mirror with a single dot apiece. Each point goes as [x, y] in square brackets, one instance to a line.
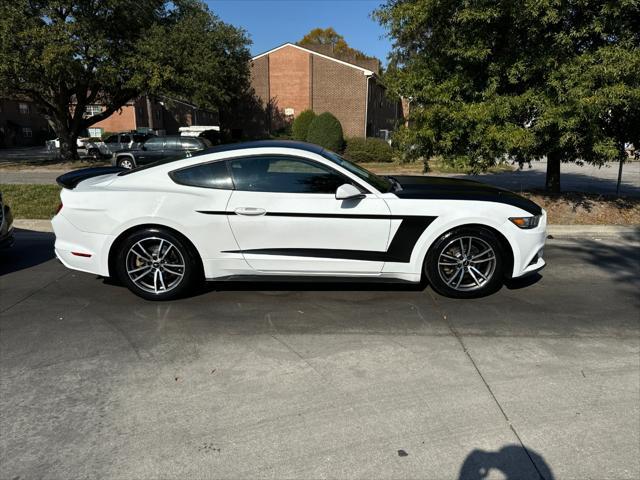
[348, 192]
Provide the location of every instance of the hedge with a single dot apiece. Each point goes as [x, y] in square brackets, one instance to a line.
[300, 127]
[368, 150]
[325, 130]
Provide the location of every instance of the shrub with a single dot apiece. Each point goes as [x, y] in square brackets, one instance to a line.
[300, 127]
[325, 130]
[368, 150]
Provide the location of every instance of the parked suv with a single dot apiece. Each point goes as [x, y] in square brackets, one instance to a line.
[116, 142]
[160, 148]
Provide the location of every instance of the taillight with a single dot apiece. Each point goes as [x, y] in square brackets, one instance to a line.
[58, 209]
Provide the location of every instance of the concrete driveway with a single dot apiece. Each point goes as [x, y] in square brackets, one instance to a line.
[540, 380]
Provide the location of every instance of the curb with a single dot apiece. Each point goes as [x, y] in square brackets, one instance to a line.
[555, 231]
[33, 225]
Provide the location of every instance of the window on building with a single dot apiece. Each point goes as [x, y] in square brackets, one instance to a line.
[27, 132]
[23, 108]
[92, 110]
[95, 132]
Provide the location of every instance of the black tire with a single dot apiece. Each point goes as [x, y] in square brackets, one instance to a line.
[150, 287]
[126, 162]
[470, 283]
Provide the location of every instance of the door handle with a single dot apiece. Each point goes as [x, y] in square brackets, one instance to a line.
[251, 211]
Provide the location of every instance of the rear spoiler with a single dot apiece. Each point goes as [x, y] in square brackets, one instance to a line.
[71, 179]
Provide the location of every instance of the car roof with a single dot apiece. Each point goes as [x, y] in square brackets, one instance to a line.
[229, 147]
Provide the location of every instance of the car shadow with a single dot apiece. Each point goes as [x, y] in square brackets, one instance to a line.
[31, 248]
[311, 285]
[514, 462]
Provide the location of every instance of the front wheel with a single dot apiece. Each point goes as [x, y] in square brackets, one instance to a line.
[125, 162]
[465, 263]
[157, 265]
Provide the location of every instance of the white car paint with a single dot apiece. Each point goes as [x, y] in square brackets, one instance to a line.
[100, 209]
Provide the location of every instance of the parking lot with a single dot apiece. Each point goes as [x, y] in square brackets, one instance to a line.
[295, 380]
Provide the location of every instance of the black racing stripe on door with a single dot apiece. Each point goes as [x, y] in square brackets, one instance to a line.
[399, 251]
[406, 238]
[312, 215]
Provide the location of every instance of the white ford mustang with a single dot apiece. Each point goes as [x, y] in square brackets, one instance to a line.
[277, 209]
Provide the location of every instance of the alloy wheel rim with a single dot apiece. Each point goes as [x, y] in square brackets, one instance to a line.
[155, 265]
[126, 164]
[467, 263]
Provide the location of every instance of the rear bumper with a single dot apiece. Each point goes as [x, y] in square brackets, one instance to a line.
[7, 239]
[78, 250]
[6, 227]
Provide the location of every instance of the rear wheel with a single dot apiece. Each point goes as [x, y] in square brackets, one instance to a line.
[94, 153]
[157, 265]
[125, 162]
[465, 263]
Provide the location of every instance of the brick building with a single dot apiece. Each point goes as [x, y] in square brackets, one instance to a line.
[160, 115]
[290, 78]
[21, 124]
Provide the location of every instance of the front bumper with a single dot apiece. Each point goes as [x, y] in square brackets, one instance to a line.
[529, 257]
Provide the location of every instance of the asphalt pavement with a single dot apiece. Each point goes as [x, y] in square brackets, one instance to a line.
[296, 380]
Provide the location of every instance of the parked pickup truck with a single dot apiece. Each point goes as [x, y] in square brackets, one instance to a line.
[159, 148]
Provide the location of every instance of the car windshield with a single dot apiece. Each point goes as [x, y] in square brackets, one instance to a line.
[380, 183]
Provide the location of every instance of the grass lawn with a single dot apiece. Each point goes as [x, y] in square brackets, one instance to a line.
[31, 201]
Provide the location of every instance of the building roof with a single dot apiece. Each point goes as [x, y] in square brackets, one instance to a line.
[365, 71]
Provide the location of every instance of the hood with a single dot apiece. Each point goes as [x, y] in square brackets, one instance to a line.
[445, 188]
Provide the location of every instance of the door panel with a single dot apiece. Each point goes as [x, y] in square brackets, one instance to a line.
[290, 232]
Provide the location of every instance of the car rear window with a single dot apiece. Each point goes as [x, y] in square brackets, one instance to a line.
[207, 175]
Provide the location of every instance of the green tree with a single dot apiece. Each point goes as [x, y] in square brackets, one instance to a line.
[328, 36]
[66, 55]
[325, 130]
[516, 79]
[300, 127]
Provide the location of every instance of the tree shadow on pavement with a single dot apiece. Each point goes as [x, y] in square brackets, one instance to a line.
[513, 462]
[30, 249]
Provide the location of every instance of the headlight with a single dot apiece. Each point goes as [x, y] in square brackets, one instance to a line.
[526, 222]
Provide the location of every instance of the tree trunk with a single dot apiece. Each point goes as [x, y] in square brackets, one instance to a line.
[68, 144]
[552, 183]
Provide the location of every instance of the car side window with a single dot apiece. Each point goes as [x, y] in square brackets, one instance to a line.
[111, 139]
[284, 174]
[155, 143]
[125, 139]
[208, 175]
